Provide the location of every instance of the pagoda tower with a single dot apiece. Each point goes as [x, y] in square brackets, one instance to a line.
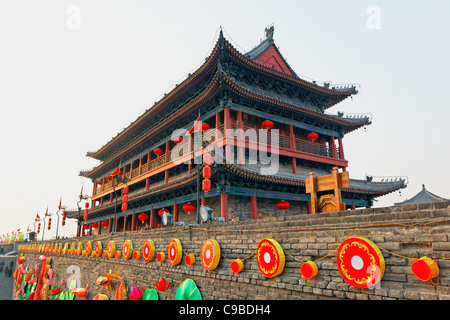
[268, 130]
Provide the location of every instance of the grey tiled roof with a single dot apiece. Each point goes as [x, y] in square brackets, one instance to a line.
[424, 196]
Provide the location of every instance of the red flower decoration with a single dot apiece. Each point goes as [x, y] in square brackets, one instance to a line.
[162, 285]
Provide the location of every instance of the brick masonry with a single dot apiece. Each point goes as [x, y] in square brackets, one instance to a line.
[398, 229]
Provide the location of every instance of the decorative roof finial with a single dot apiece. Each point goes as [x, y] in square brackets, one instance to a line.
[269, 32]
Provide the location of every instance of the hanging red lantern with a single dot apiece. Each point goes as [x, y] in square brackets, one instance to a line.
[207, 160]
[283, 205]
[125, 198]
[94, 225]
[63, 223]
[124, 206]
[206, 185]
[99, 182]
[267, 124]
[64, 213]
[205, 126]
[85, 217]
[49, 223]
[158, 151]
[125, 190]
[312, 136]
[86, 205]
[206, 172]
[161, 211]
[86, 226]
[104, 223]
[189, 207]
[108, 178]
[143, 217]
[178, 140]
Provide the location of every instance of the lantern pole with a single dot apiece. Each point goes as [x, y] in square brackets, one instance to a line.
[82, 197]
[57, 223]
[118, 180]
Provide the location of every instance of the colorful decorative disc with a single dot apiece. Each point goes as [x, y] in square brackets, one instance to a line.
[98, 249]
[210, 254]
[175, 252]
[270, 258]
[111, 249]
[148, 250]
[127, 249]
[360, 262]
[73, 247]
[309, 269]
[79, 250]
[88, 248]
[425, 269]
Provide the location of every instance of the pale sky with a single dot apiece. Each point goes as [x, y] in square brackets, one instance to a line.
[75, 73]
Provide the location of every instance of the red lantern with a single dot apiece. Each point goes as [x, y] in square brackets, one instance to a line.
[49, 223]
[312, 136]
[207, 160]
[108, 178]
[178, 140]
[125, 190]
[267, 124]
[124, 206]
[104, 223]
[283, 205]
[86, 205]
[143, 217]
[99, 182]
[86, 211]
[125, 198]
[205, 126]
[206, 172]
[94, 225]
[206, 185]
[64, 213]
[189, 207]
[161, 211]
[85, 217]
[86, 226]
[158, 151]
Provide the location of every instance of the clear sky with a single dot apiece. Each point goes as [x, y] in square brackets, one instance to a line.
[75, 73]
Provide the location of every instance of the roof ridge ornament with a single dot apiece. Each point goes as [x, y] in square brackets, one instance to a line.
[269, 32]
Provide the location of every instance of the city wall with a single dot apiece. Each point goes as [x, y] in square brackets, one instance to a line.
[403, 233]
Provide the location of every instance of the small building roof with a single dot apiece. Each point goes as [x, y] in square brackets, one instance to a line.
[424, 196]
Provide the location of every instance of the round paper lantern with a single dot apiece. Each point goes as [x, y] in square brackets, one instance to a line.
[161, 256]
[105, 223]
[118, 254]
[206, 185]
[210, 254]
[178, 140]
[237, 266]
[206, 172]
[360, 262]
[425, 269]
[136, 255]
[125, 190]
[189, 207]
[207, 160]
[283, 205]
[108, 178]
[312, 136]
[267, 124]
[189, 259]
[125, 198]
[100, 182]
[175, 252]
[88, 248]
[148, 250]
[205, 126]
[270, 258]
[111, 249]
[161, 211]
[86, 205]
[86, 226]
[158, 151]
[127, 249]
[143, 217]
[309, 269]
[98, 249]
[124, 206]
[94, 225]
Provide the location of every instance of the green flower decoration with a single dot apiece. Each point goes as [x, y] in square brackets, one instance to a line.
[188, 291]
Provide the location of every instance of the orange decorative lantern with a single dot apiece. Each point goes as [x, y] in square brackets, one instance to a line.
[283, 205]
[124, 206]
[210, 254]
[125, 198]
[189, 207]
[158, 151]
[143, 217]
[206, 172]
[178, 140]
[360, 262]
[125, 190]
[148, 250]
[118, 254]
[425, 269]
[309, 269]
[237, 265]
[189, 259]
[161, 256]
[161, 211]
[267, 124]
[270, 258]
[175, 252]
[312, 136]
[206, 185]
[136, 255]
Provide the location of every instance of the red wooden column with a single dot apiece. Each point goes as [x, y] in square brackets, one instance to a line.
[79, 228]
[341, 149]
[175, 212]
[333, 147]
[253, 208]
[99, 228]
[133, 221]
[152, 219]
[227, 127]
[293, 147]
[110, 225]
[224, 206]
[166, 173]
